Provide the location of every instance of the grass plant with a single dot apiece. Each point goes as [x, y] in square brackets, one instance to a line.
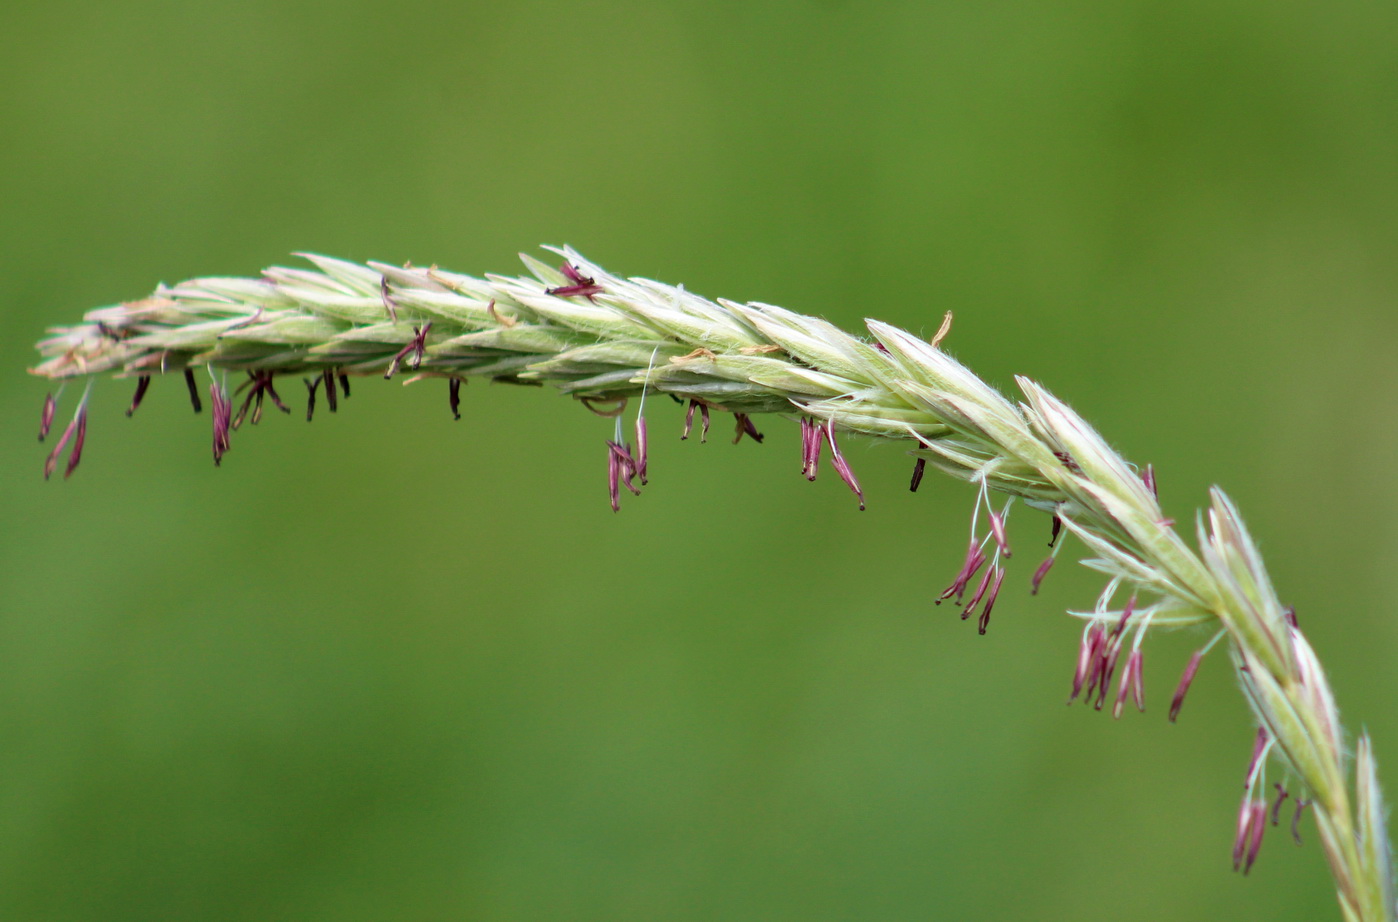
[614, 343]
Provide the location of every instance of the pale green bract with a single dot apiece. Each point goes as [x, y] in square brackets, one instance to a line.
[604, 339]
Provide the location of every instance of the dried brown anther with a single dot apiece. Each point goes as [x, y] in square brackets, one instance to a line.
[454, 397]
[259, 385]
[311, 385]
[194, 400]
[745, 427]
[331, 397]
[919, 466]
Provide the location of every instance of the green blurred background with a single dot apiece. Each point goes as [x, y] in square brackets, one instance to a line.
[395, 667]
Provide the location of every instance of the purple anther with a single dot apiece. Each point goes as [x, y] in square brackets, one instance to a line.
[1258, 747]
[1087, 660]
[1040, 573]
[78, 440]
[990, 602]
[46, 418]
[1301, 805]
[1055, 529]
[1188, 677]
[1282, 795]
[454, 397]
[581, 286]
[1243, 833]
[1111, 650]
[51, 462]
[1289, 613]
[1148, 478]
[621, 468]
[627, 465]
[613, 478]
[689, 419]
[1125, 616]
[417, 347]
[812, 439]
[641, 443]
[997, 528]
[189, 382]
[1259, 826]
[975, 557]
[1132, 684]
[222, 418]
[919, 466]
[1097, 668]
[992, 573]
[841, 465]
[1123, 688]
[1068, 461]
[142, 385]
[344, 384]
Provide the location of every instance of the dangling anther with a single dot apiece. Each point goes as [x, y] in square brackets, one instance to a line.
[222, 417]
[841, 465]
[331, 397]
[703, 409]
[454, 397]
[311, 385]
[919, 466]
[142, 385]
[189, 382]
[260, 383]
[745, 427]
[46, 418]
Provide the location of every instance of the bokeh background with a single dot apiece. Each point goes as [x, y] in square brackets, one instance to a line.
[389, 666]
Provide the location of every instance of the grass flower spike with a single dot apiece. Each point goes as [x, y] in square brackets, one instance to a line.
[608, 340]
